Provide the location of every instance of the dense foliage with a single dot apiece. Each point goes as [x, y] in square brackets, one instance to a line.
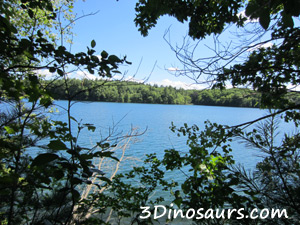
[42, 164]
[119, 91]
[124, 91]
[43, 167]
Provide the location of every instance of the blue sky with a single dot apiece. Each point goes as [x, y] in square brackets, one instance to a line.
[114, 31]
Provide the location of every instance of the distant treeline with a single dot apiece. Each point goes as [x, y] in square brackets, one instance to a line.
[126, 91]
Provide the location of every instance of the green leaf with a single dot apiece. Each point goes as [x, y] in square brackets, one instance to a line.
[107, 154]
[76, 194]
[46, 101]
[114, 59]
[40, 33]
[90, 127]
[105, 179]
[52, 69]
[57, 145]
[44, 159]
[178, 198]
[9, 130]
[104, 54]
[251, 9]
[25, 43]
[72, 118]
[58, 174]
[30, 13]
[93, 43]
[91, 71]
[76, 180]
[264, 19]
[60, 72]
[129, 63]
[103, 145]
[287, 20]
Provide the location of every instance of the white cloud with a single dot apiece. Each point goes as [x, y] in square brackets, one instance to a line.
[165, 82]
[82, 75]
[46, 74]
[99, 57]
[243, 15]
[133, 79]
[78, 75]
[293, 87]
[85, 75]
[177, 84]
[258, 46]
[172, 69]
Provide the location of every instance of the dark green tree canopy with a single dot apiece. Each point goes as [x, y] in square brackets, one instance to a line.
[204, 17]
[272, 70]
[210, 17]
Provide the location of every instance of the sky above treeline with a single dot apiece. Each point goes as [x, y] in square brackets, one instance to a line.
[112, 27]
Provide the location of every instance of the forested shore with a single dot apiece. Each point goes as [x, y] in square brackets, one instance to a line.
[133, 92]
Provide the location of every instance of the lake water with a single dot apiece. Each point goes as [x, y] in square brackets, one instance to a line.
[156, 120]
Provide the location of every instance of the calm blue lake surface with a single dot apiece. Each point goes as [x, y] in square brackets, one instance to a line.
[156, 120]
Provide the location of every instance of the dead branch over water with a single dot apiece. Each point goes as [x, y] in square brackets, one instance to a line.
[110, 168]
